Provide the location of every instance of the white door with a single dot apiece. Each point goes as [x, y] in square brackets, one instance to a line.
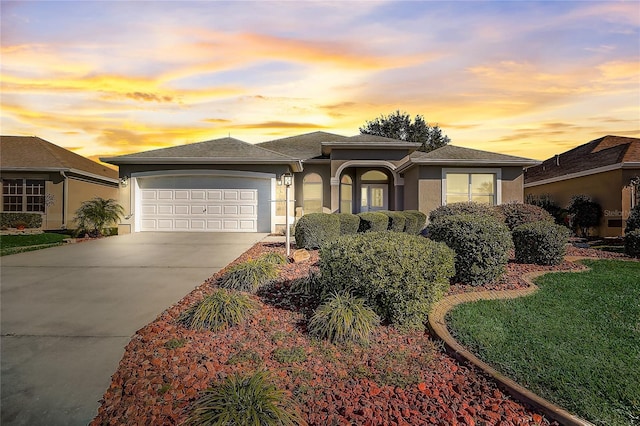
[373, 197]
[204, 210]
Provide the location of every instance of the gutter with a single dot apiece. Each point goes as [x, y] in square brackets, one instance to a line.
[65, 198]
[466, 163]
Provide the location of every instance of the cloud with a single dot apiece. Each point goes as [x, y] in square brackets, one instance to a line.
[278, 125]
[149, 97]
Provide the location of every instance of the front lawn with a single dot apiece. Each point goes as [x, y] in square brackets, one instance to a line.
[575, 342]
[11, 244]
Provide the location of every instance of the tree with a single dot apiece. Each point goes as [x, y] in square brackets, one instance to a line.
[398, 125]
[95, 215]
[586, 213]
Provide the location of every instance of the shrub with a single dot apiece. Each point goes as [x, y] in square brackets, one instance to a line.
[373, 222]
[633, 221]
[517, 214]
[343, 319]
[586, 213]
[397, 221]
[420, 221]
[274, 258]
[471, 208]
[410, 223]
[245, 401]
[93, 216]
[219, 310]
[315, 229]
[30, 220]
[546, 202]
[399, 275]
[249, 275]
[542, 243]
[632, 243]
[481, 243]
[349, 223]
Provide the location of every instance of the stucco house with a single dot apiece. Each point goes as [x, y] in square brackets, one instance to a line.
[230, 185]
[602, 169]
[41, 177]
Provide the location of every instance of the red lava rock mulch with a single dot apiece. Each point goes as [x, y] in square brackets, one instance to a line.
[400, 379]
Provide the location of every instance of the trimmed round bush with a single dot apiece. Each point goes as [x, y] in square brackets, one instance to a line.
[398, 275]
[315, 229]
[516, 214]
[417, 224]
[481, 243]
[410, 223]
[349, 223]
[397, 221]
[633, 221]
[373, 222]
[245, 401]
[471, 207]
[343, 318]
[542, 243]
[219, 310]
[249, 276]
[632, 243]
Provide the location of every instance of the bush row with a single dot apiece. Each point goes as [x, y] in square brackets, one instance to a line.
[28, 220]
[313, 230]
[512, 214]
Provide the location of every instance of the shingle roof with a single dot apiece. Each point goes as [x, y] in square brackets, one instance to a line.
[605, 151]
[456, 154]
[33, 153]
[303, 147]
[217, 150]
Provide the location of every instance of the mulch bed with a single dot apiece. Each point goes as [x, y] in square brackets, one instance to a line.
[401, 378]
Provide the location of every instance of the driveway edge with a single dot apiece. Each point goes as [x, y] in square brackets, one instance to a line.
[438, 326]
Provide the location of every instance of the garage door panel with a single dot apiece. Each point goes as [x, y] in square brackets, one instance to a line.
[149, 209]
[214, 210]
[214, 225]
[198, 195]
[181, 209]
[198, 210]
[165, 194]
[247, 210]
[248, 195]
[165, 209]
[214, 195]
[149, 194]
[231, 195]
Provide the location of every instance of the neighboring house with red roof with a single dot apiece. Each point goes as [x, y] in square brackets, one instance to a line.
[232, 186]
[40, 177]
[602, 169]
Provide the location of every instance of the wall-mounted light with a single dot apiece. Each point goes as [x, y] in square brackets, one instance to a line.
[124, 181]
[287, 179]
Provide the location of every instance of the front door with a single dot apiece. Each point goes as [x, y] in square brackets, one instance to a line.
[373, 197]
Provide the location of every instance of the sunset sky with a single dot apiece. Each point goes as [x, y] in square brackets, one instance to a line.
[523, 78]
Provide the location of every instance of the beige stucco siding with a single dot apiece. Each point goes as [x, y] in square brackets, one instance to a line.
[80, 191]
[512, 183]
[429, 188]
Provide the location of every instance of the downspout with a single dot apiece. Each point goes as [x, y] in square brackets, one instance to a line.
[65, 192]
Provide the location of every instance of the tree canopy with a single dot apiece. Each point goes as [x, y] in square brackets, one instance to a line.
[399, 125]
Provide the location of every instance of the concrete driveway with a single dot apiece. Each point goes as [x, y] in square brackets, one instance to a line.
[69, 311]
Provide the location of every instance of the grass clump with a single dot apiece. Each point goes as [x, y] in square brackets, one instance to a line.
[343, 319]
[277, 259]
[575, 342]
[245, 401]
[308, 286]
[249, 276]
[289, 355]
[218, 311]
[175, 343]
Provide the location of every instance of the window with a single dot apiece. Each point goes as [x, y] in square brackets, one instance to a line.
[374, 176]
[462, 187]
[346, 194]
[23, 195]
[312, 193]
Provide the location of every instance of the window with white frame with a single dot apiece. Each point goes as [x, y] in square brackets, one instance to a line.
[463, 186]
[346, 194]
[312, 193]
[23, 195]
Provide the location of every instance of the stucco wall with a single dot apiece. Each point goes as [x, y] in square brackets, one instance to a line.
[411, 189]
[324, 170]
[429, 188]
[80, 191]
[604, 188]
[512, 184]
[369, 154]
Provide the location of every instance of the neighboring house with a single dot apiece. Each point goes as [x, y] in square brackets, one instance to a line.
[40, 177]
[230, 185]
[602, 169]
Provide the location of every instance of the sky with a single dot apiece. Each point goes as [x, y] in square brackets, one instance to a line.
[524, 78]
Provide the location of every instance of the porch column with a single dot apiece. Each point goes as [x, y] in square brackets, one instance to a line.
[335, 194]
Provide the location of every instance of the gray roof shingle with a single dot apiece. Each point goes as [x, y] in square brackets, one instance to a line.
[303, 147]
[451, 153]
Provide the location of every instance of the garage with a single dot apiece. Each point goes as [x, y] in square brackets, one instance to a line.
[198, 203]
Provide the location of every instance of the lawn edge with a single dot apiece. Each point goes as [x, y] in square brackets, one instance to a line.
[438, 326]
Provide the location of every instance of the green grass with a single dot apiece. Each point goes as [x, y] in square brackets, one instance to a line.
[11, 244]
[575, 342]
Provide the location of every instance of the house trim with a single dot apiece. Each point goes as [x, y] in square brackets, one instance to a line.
[603, 169]
[61, 170]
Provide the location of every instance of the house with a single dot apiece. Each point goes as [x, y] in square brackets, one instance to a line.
[602, 169]
[230, 185]
[40, 177]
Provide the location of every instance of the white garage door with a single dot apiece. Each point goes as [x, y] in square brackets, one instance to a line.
[221, 210]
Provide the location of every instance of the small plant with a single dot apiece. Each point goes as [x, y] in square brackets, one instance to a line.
[481, 243]
[586, 213]
[315, 229]
[218, 311]
[373, 222]
[275, 258]
[343, 319]
[20, 224]
[244, 356]
[349, 223]
[309, 286]
[289, 355]
[245, 401]
[632, 243]
[95, 215]
[471, 208]
[175, 343]
[249, 276]
[517, 214]
[542, 243]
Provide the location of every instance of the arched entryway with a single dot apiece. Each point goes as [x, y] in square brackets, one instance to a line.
[364, 186]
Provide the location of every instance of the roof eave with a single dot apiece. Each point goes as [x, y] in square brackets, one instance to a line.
[296, 165]
[60, 169]
[467, 163]
[326, 146]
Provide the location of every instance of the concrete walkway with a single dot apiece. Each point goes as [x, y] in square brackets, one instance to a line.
[69, 311]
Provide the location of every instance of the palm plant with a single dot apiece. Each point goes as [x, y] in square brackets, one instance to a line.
[95, 215]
